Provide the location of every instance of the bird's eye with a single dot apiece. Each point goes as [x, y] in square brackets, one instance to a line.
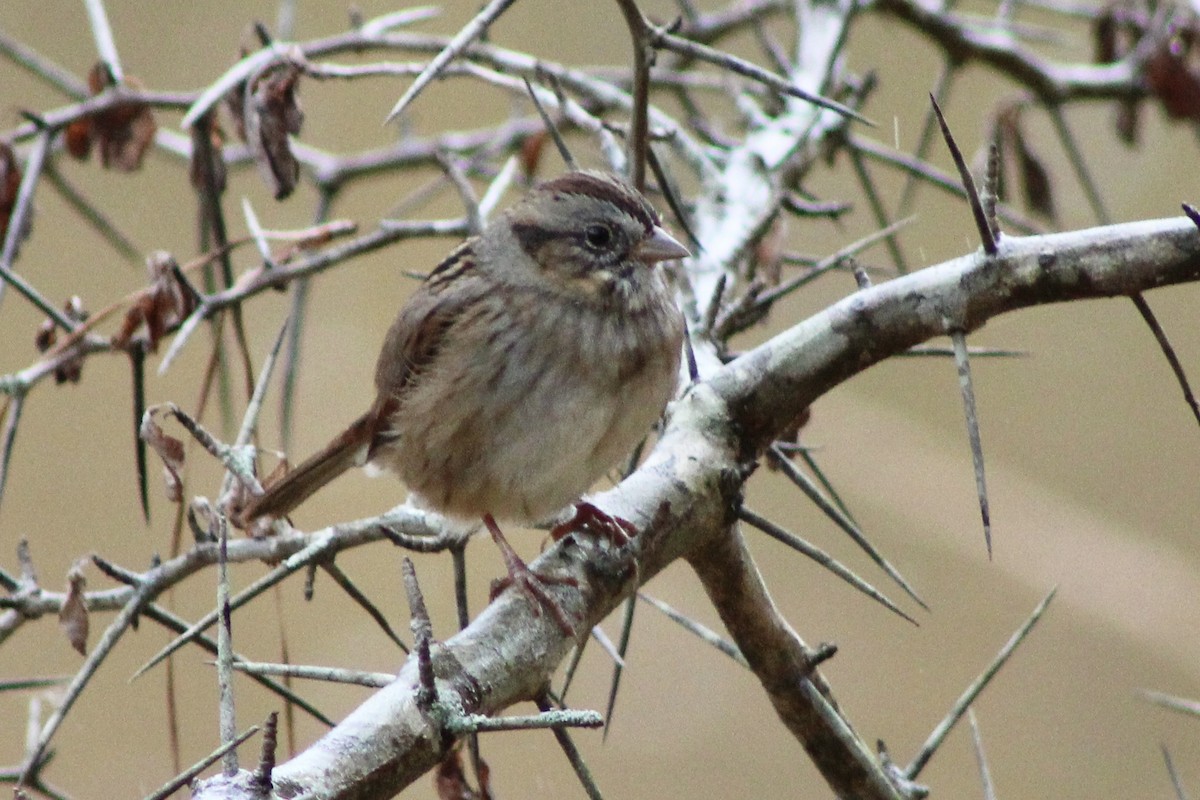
[598, 236]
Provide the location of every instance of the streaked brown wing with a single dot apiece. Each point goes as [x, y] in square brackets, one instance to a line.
[415, 338]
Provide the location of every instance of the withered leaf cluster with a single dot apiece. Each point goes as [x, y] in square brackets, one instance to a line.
[272, 113]
[70, 370]
[165, 303]
[1171, 71]
[122, 133]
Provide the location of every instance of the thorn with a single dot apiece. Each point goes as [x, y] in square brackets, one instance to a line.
[671, 194]
[1176, 781]
[618, 668]
[1168, 351]
[551, 129]
[422, 630]
[714, 302]
[574, 758]
[264, 35]
[985, 774]
[137, 362]
[705, 634]
[468, 34]
[818, 555]
[361, 599]
[821, 653]
[1192, 213]
[972, 692]
[991, 189]
[261, 780]
[981, 223]
[837, 513]
[693, 367]
[963, 362]
[860, 275]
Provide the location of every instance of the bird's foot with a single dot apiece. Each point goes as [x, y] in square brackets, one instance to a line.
[589, 518]
[528, 582]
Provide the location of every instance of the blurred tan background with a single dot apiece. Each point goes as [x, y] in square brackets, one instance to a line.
[1092, 458]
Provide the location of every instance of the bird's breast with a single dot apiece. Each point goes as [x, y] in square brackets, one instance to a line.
[523, 411]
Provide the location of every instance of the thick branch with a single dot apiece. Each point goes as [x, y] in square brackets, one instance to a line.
[510, 650]
[781, 661]
[767, 387]
[682, 498]
[1053, 82]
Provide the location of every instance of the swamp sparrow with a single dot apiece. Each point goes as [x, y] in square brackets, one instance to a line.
[529, 362]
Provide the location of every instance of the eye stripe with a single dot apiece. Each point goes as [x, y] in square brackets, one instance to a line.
[532, 236]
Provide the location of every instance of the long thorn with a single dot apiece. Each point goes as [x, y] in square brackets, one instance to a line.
[978, 685]
[818, 555]
[985, 774]
[705, 634]
[469, 33]
[551, 128]
[963, 362]
[968, 183]
[1168, 351]
[840, 519]
[1176, 781]
[619, 667]
[574, 758]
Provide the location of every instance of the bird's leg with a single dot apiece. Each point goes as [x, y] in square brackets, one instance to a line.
[528, 581]
[590, 519]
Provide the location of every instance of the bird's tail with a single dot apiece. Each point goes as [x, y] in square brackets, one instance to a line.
[348, 450]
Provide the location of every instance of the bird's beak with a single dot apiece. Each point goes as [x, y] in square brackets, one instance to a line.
[660, 246]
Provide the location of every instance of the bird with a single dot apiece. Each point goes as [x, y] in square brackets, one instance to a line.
[536, 355]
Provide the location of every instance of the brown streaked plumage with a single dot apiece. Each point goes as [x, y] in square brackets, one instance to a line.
[528, 363]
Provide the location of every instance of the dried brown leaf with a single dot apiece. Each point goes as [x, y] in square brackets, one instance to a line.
[46, 336]
[10, 185]
[275, 113]
[1104, 36]
[531, 153]
[122, 132]
[1171, 79]
[162, 305]
[1115, 32]
[235, 104]
[170, 450]
[1035, 182]
[214, 169]
[766, 258]
[78, 138]
[73, 616]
